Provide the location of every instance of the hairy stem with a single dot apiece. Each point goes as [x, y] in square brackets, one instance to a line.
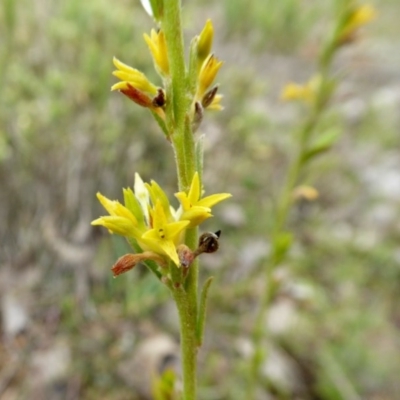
[182, 138]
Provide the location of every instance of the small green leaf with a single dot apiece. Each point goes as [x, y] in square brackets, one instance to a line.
[322, 144]
[193, 66]
[158, 8]
[281, 245]
[200, 155]
[202, 310]
[163, 387]
[161, 123]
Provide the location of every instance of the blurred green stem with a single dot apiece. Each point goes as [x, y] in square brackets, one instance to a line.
[185, 295]
[284, 205]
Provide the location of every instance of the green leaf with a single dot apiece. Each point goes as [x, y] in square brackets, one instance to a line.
[202, 310]
[193, 66]
[161, 123]
[200, 156]
[322, 144]
[281, 245]
[163, 386]
[158, 8]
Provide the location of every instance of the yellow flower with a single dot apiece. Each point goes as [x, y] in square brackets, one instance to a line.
[216, 103]
[305, 192]
[194, 208]
[158, 195]
[133, 77]
[307, 92]
[358, 17]
[158, 48]
[205, 41]
[164, 235]
[148, 218]
[120, 221]
[212, 100]
[362, 15]
[207, 68]
[207, 74]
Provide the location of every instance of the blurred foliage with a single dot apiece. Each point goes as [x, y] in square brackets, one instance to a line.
[275, 25]
[64, 136]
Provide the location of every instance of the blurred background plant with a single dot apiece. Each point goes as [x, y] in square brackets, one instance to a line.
[334, 329]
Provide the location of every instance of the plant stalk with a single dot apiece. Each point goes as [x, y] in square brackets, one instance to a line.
[186, 295]
[283, 209]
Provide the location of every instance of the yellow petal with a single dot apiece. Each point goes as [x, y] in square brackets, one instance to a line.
[120, 86]
[173, 229]
[121, 66]
[115, 208]
[305, 192]
[108, 204]
[158, 216]
[204, 44]
[196, 215]
[158, 48]
[208, 72]
[159, 246]
[213, 199]
[294, 91]
[184, 200]
[135, 77]
[362, 15]
[216, 103]
[194, 191]
[119, 225]
[157, 194]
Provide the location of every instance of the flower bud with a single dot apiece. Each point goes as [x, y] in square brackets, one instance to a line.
[209, 97]
[208, 242]
[205, 42]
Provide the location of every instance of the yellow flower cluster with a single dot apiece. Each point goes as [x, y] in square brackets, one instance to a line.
[136, 86]
[148, 218]
[208, 67]
[354, 18]
[306, 92]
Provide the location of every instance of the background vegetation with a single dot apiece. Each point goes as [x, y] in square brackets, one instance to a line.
[70, 331]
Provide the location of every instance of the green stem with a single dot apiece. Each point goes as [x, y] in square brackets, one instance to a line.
[282, 213]
[188, 342]
[182, 138]
[185, 296]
